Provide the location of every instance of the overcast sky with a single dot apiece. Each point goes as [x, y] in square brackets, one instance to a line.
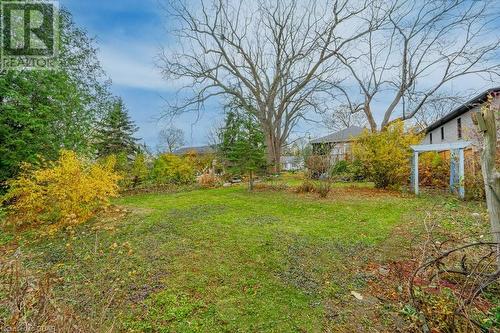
[129, 34]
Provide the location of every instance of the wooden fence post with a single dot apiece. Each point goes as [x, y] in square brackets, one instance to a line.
[415, 173]
[454, 172]
[487, 125]
[461, 173]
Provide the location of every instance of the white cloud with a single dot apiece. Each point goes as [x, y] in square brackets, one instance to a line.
[130, 64]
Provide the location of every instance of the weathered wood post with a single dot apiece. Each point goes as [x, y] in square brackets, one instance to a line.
[457, 164]
[461, 173]
[457, 172]
[487, 125]
[454, 172]
[415, 172]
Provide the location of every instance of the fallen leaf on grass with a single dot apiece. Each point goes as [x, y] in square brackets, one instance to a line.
[357, 295]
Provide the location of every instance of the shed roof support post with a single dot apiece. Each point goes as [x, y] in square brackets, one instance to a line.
[461, 173]
[457, 164]
[454, 174]
[415, 172]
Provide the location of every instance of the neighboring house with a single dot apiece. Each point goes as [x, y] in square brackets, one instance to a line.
[292, 163]
[458, 125]
[201, 150]
[338, 144]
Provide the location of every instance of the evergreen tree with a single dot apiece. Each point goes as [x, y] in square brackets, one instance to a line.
[116, 132]
[242, 146]
[42, 112]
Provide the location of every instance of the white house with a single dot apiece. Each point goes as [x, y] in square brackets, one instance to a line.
[456, 133]
[292, 163]
[457, 125]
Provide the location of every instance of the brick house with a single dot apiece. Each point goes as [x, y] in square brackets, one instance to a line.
[337, 145]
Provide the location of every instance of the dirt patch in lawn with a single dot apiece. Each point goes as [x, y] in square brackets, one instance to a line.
[350, 192]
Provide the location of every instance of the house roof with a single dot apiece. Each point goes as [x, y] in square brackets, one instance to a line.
[481, 98]
[341, 136]
[198, 150]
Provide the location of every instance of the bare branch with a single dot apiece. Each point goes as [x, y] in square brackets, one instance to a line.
[423, 48]
[277, 58]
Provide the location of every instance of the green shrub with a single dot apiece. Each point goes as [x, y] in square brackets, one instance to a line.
[493, 319]
[139, 171]
[340, 167]
[357, 171]
[172, 169]
[133, 171]
[347, 171]
[385, 155]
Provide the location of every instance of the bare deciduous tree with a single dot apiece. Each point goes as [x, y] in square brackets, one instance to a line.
[276, 57]
[342, 117]
[425, 47]
[214, 134]
[170, 139]
[440, 105]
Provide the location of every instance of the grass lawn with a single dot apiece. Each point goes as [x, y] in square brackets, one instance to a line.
[225, 260]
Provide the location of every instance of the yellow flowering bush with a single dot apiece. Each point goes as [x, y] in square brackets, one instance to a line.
[65, 192]
[385, 155]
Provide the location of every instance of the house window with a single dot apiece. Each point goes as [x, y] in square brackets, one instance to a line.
[442, 133]
[459, 128]
[430, 138]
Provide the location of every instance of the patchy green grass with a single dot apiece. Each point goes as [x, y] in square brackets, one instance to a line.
[225, 260]
[297, 178]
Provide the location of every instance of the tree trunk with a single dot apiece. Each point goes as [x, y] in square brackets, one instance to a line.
[273, 152]
[277, 157]
[250, 181]
[490, 174]
[369, 116]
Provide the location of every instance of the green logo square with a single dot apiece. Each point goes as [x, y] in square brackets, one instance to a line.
[29, 34]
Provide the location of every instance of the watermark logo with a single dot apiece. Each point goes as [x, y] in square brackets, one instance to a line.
[30, 35]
